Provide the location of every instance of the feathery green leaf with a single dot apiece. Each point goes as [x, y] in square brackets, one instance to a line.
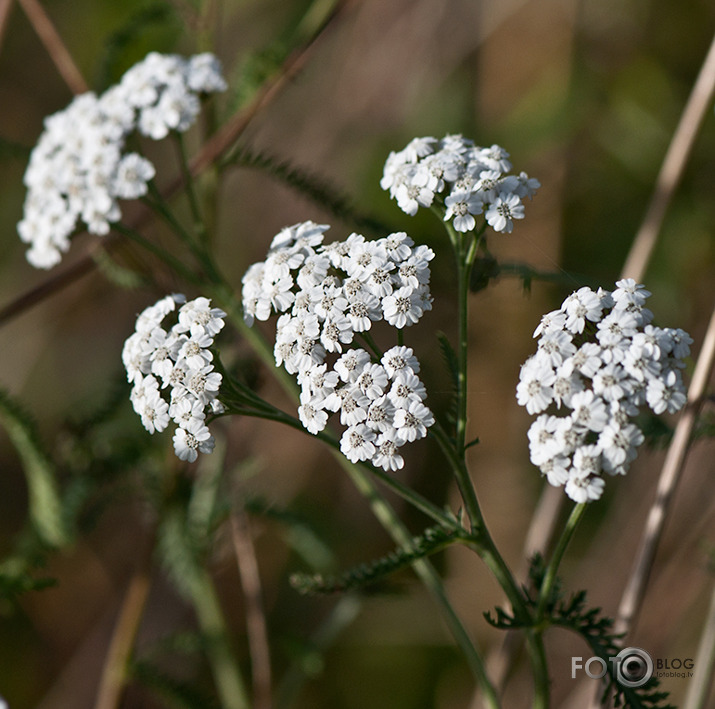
[45, 504]
[369, 574]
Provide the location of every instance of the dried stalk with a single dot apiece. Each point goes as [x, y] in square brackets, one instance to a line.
[255, 616]
[5, 7]
[670, 475]
[671, 172]
[54, 45]
[113, 678]
[546, 516]
[699, 686]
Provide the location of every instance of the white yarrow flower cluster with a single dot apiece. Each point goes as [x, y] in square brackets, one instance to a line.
[598, 361]
[472, 180]
[325, 294]
[172, 372]
[78, 170]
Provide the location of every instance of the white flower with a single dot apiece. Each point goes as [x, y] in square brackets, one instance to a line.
[357, 443]
[133, 173]
[189, 442]
[402, 307]
[400, 359]
[618, 445]
[412, 422]
[411, 197]
[555, 320]
[666, 394]
[543, 444]
[628, 291]
[584, 489]
[386, 455]
[555, 346]
[372, 381]
[353, 406]
[336, 332]
[362, 311]
[319, 381]
[589, 410]
[600, 385]
[187, 413]
[78, 169]
[461, 205]
[611, 382]
[189, 386]
[381, 414]
[351, 365]
[502, 212]
[580, 306]
[406, 387]
[556, 470]
[311, 415]
[534, 390]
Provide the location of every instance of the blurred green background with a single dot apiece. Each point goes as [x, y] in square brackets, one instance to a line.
[585, 96]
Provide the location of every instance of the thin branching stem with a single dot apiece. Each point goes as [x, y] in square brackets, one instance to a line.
[162, 254]
[191, 191]
[271, 413]
[547, 585]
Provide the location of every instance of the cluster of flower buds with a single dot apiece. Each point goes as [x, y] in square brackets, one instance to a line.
[78, 170]
[172, 372]
[327, 294]
[470, 179]
[598, 361]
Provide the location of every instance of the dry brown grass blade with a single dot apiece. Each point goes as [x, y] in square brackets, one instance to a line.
[256, 629]
[547, 514]
[112, 682]
[699, 686]
[54, 45]
[543, 523]
[5, 7]
[219, 143]
[681, 145]
[670, 475]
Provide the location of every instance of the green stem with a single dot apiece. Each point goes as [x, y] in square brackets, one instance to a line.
[549, 579]
[537, 653]
[426, 573]
[461, 475]
[379, 506]
[162, 254]
[190, 184]
[271, 413]
[224, 664]
[223, 294]
[370, 342]
[156, 202]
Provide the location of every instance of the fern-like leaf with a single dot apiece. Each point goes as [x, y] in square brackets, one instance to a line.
[172, 692]
[374, 572]
[452, 363]
[128, 42]
[45, 504]
[316, 189]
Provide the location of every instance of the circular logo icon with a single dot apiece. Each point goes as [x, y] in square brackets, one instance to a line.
[634, 667]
